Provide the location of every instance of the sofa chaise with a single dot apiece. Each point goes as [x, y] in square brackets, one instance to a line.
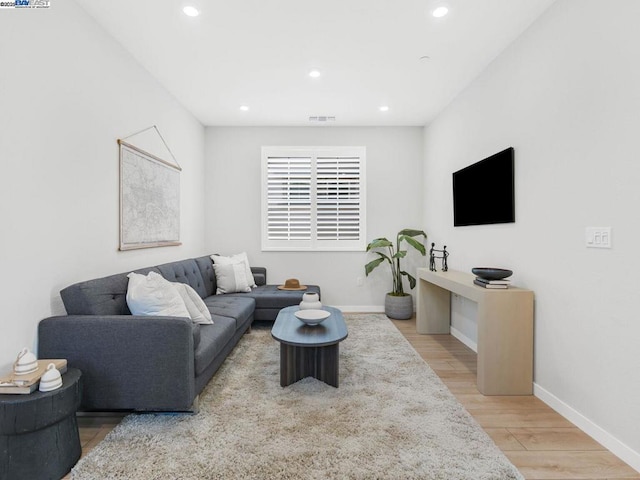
[153, 363]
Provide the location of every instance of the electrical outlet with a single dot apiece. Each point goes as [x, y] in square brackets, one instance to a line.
[598, 237]
[359, 281]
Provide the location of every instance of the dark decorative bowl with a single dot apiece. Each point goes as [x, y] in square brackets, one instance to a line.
[491, 273]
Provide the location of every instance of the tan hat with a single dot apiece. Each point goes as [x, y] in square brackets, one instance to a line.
[292, 284]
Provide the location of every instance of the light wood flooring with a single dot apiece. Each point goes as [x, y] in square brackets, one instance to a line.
[541, 443]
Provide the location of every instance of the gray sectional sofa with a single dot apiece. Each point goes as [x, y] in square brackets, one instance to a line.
[146, 363]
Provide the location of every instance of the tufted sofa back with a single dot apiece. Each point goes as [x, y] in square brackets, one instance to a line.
[205, 264]
[101, 296]
[108, 295]
[185, 271]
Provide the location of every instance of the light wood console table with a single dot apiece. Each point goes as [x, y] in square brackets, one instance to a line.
[505, 327]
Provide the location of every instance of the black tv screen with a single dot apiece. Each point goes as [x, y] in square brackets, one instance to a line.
[483, 192]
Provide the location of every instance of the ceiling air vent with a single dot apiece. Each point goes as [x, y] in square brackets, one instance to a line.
[322, 118]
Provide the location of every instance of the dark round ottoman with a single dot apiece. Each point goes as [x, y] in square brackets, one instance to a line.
[39, 432]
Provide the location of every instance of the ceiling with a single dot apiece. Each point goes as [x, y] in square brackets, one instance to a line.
[370, 53]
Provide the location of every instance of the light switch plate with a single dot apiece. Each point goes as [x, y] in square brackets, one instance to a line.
[598, 237]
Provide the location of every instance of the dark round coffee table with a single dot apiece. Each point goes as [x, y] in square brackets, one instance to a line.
[309, 350]
[39, 436]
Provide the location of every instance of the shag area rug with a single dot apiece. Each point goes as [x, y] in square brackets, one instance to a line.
[391, 418]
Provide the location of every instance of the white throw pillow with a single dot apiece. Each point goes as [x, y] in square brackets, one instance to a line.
[198, 311]
[231, 278]
[153, 295]
[240, 257]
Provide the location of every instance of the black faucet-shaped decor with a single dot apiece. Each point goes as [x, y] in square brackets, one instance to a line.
[432, 258]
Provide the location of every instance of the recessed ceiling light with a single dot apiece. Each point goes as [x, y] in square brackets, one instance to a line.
[191, 11]
[384, 108]
[314, 73]
[440, 12]
[244, 108]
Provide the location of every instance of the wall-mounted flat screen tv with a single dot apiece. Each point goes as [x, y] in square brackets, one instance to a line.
[483, 193]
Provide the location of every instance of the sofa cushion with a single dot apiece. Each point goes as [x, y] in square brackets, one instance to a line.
[195, 330]
[239, 308]
[198, 311]
[231, 278]
[213, 338]
[153, 295]
[238, 258]
[185, 271]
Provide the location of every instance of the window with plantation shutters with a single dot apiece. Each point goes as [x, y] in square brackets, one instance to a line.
[313, 198]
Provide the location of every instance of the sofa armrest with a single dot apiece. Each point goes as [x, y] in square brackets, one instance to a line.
[127, 362]
[259, 275]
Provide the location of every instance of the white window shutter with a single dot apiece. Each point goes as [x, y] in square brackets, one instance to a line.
[338, 198]
[313, 198]
[288, 198]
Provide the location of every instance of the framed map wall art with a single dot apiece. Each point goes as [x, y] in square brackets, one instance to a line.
[149, 199]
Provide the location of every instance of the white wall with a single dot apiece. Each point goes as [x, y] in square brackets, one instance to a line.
[67, 92]
[394, 194]
[566, 96]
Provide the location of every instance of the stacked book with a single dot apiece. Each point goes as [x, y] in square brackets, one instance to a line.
[28, 383]
[483, 282]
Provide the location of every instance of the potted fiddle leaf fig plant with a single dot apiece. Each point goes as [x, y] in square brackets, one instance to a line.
[397, 304]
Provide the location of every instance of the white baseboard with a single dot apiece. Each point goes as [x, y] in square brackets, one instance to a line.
[464, 339]
[618, 448]
[361, 308]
